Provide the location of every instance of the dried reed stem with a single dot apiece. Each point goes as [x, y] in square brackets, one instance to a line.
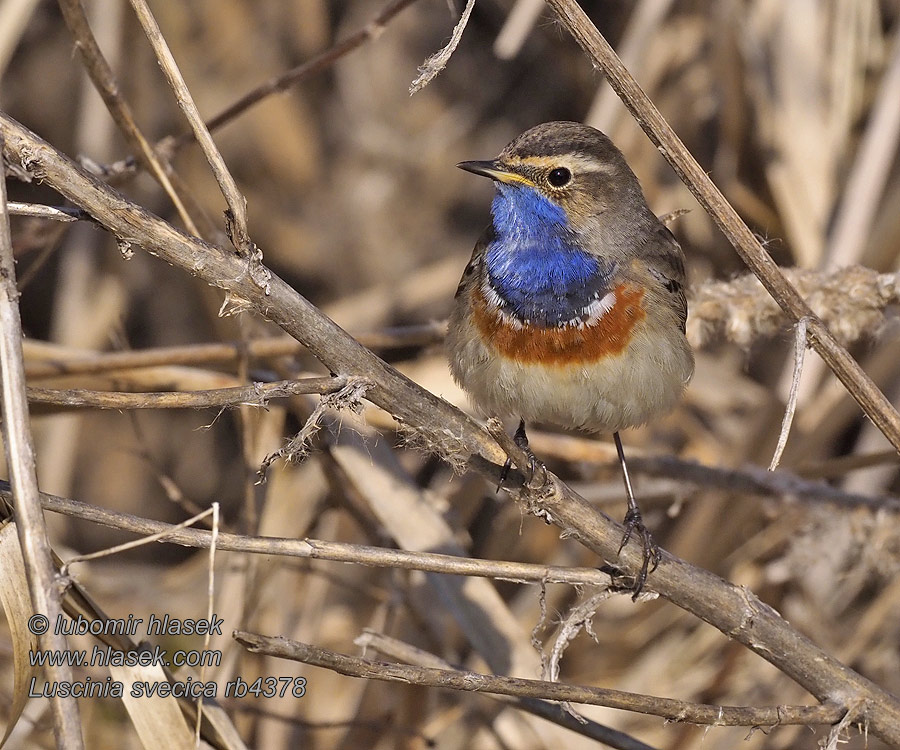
[545, 709]
[257, 394]
[319, 549]
[107, 86]
[237, 204]
[29, 518]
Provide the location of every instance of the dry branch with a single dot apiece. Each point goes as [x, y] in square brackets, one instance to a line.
[444, 429]
[550, 711]
[319, 549]
[37, 211]
[257, 394]
[236, 217]
[107, 86]
[284, 81]
[29, 518]
[48, 361]
[667, 708]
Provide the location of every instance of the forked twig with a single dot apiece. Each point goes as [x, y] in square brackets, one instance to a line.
[237, 203]
[105, 82]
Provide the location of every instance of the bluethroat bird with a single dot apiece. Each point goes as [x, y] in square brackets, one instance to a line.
[572, 309]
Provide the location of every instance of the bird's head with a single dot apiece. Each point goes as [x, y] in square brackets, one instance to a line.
[564, 172]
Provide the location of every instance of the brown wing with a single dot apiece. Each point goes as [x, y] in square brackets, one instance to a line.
[665, 260]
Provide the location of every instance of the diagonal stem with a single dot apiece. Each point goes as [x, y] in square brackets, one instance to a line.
[870, 398]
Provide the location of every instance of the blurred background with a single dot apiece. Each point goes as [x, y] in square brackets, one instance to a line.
[793, 108]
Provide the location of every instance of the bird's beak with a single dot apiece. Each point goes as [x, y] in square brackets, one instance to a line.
[496, 171]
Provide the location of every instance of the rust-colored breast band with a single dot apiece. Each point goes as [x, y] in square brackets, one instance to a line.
[530, 344]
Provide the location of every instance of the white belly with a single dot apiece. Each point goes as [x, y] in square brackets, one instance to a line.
[611, 394]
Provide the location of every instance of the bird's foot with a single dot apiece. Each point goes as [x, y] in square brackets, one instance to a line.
[634, 524]
[535, 468]
[520, 439]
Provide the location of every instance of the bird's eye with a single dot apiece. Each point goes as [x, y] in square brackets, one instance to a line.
[559, 177]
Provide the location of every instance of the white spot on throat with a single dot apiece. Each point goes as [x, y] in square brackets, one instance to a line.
[598, 308]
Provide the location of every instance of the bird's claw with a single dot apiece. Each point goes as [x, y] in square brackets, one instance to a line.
[651, 555]
[533, 465]
[504, 472]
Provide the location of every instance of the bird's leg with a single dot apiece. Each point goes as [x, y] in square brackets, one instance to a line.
[520, 438]
[635, 523]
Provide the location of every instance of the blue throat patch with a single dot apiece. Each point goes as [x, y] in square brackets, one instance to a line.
[534, 264]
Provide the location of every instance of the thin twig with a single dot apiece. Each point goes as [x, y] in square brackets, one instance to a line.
[257, 394]
[851, 300]
[800, 344]
[552, 712]
[371, 31]
[872, 401]
[19, 448]
[210, 609]
[237, 204]
[45, 360]
[107, 86]
[318, 549]
[37, 211]
[667, 708]
[438, 61]
[125, 546]
[747, 479]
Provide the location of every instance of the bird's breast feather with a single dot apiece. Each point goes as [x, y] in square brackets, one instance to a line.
[605, 334]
